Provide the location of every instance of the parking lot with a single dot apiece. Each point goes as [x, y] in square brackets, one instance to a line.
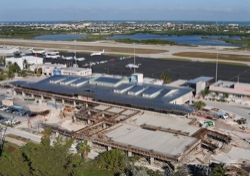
[154, 67]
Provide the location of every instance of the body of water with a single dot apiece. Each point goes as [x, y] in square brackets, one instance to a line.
[62, 37]
[185, 39]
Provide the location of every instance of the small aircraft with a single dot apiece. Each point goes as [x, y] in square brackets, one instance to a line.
[67, 58]
[79, 59]
[52, 53]
[129, 66]
[38, 52]
[97, 53]
[51, 56]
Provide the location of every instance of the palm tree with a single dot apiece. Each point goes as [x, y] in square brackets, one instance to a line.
[84, 148]
[9, 64]
[219, 170]
[205, 92]
[25, 64]
[165, 78]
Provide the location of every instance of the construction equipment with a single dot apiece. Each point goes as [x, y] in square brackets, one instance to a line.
[241, 121]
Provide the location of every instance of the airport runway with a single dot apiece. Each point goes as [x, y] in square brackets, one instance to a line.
[154, 67]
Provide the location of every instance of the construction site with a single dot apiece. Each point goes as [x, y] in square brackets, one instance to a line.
[163, 138]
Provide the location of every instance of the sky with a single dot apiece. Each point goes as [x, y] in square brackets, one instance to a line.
[53, 10]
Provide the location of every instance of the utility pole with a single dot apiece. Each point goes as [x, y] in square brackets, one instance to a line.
[216, 64]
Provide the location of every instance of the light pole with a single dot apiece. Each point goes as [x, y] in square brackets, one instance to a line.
[134, 57]
[216, 64]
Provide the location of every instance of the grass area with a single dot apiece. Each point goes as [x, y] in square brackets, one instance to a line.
[228, 63]
[177, 59]
[8, 148]
[231, 57]
[82, 47]
[83, 52]
[18, 137]
[91, 170]
[147, 42]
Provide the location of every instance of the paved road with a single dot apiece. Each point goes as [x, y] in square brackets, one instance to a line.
[24, 134]
[241, 111]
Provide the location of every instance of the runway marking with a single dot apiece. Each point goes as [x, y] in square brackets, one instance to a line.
[239, 74]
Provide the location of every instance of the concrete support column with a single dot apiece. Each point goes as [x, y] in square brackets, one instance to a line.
[74, 102]
[23, 94]
[32, 95]
[88, 121]
[129, 153]
[57, 134]
[42, 98]
[109, 148]
[151, 160]
[103, 115]
[104, 126]
[53, 99]
[86, 105]
[89, 113]
[14, 93]
[63, 102]
[90, 144]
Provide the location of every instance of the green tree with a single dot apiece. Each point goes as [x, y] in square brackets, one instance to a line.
[181, 171]
[39, 71]
[199, 104]
[225, 95]
[219, 170]
[205, 92]
[113, 160]
[42, 159]
[165, 78]
[25, 64]
[216, 93]
[84, 148]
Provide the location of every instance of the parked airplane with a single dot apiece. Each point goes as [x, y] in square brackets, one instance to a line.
[38, 52]
[79, 59]
[129, 66]
[51, 56]
[97, 53]
[53, 53]
[67, 58]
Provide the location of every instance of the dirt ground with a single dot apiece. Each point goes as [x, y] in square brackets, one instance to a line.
[230, 57]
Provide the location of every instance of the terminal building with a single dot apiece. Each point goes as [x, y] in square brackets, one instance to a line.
[233, 89]
[116, 90]
[61, 69]
[198, 84]
[32, 60]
